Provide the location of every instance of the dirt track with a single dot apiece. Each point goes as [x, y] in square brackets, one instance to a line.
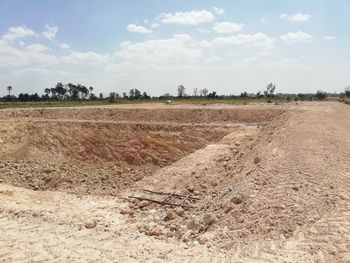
[291, 171]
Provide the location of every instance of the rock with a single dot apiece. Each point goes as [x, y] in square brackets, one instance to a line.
[170, 215]
[257, 160]
[237, 143]
[228, 209]
[155, 231]
[249, 172]
[236, 200]
[209, 219]
[202, 240]
[190, 188]
[195, 225]
[144, 203]
[90, 225]
[186, 237]
[295, 188]
[179, 211]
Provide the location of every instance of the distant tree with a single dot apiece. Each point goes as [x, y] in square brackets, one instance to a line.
[145, 96]
[320, 95]
[132, 94]
[9, 89]
[203, 92]
[347, 92]
[181, 91]
[244, 94]
[137, 94]
[195, 92]
[92, 96]
[101, 96]
[259, 95]
[212, 95]
[111, 97]
[270, 89]
[60, 90]
[47, 91]
[125, 96]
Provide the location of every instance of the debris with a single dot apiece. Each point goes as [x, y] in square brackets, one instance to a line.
[90, 225]
[170, 215]
[209, 219]
[144, 203]
[257, 160]
[236, 200]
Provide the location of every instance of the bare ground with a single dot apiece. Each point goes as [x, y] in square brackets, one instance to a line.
[288, 167]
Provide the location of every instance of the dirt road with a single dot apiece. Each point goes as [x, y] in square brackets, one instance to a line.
[292, 175]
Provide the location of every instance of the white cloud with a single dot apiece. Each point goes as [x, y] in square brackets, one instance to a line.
[31, 55]
[296, 37]
[65, 46]
[227, 27]
[296, 17]
[218, 10]
[329, 38]
[155, 25]
[193, 17]
[138, 29]
[84, 58]
[175, 50]
[15, 33]
[257, 39]
[50, 32]
[36, 48]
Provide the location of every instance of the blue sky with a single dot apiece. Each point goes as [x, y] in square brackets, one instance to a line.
[226, 46]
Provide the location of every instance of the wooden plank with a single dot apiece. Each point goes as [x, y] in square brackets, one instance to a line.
[177, 195]
[155, 201]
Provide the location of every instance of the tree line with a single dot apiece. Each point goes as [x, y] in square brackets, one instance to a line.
[78, 92]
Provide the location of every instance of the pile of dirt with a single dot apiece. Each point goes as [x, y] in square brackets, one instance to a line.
[162, 114]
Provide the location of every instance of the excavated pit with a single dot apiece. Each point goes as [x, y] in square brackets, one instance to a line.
[102, 151]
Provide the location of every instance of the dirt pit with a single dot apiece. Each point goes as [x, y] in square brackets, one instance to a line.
[102, 151]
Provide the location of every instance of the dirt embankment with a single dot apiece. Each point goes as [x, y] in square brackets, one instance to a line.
[101, 151]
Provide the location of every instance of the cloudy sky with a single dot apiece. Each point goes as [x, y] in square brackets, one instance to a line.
[155, 45]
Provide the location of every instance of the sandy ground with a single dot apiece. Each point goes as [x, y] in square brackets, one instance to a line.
[290, 173]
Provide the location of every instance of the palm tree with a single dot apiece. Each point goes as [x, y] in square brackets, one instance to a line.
[9, 89]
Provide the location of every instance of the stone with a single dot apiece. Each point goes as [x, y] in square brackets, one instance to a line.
[90, 225]
[170, 215]
[237, 143]
[186, 237]
[209, 219]
[190, 188]
[228, 209]
[236, 200]
[144, 203]
[179, 211]
[257, 160]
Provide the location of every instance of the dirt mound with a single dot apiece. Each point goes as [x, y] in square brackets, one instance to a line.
[171, 115]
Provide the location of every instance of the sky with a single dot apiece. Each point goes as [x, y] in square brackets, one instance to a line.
[155, 45]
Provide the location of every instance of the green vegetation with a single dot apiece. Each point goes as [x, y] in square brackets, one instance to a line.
[71, 95]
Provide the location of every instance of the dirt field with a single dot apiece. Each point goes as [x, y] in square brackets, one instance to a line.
[273, 183]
